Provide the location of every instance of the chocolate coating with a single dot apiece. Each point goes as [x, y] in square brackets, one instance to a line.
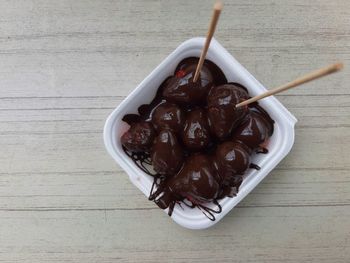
[168, 116]
[254, 130]
[190, 65]
[181, 88]
[196, 181]
[184, 117]
[139, 137]
[255, 107]
[196, 134]
[222, 112]
[167, 155]
[232, 158]
[184, 91]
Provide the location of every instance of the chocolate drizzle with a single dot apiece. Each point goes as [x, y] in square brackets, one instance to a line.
[254, 166]
[208, 212]
[262, 150]
[193, 141]
[141, 159]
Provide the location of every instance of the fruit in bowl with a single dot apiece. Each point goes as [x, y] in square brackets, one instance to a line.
[149, 94]
[196, 142]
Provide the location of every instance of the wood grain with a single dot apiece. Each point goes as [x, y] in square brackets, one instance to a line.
[65, 65]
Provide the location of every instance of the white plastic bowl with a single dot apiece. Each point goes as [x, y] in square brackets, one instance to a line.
[279, 146]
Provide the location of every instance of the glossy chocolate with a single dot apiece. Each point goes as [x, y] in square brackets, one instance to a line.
[232, 158]
[190, 65]
[196, 135]
[197, 180]
[197, 141]
[222, 112]
[146, 110]
[167, 155]
[139, 137]
[197, 183]
[254, 130]
[168, 116]
[255, 107]
[183, 90]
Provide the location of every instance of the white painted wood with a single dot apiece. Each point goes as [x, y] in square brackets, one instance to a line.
[65, 65]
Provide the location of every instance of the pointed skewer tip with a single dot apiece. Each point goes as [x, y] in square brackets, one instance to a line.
[339, 66]
[218, 5]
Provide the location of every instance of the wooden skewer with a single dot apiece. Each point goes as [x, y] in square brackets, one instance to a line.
[308, 77]
[213, 23]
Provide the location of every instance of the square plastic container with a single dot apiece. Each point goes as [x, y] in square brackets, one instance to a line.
[279, 146]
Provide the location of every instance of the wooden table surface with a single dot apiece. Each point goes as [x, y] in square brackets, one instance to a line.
[65, 65]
